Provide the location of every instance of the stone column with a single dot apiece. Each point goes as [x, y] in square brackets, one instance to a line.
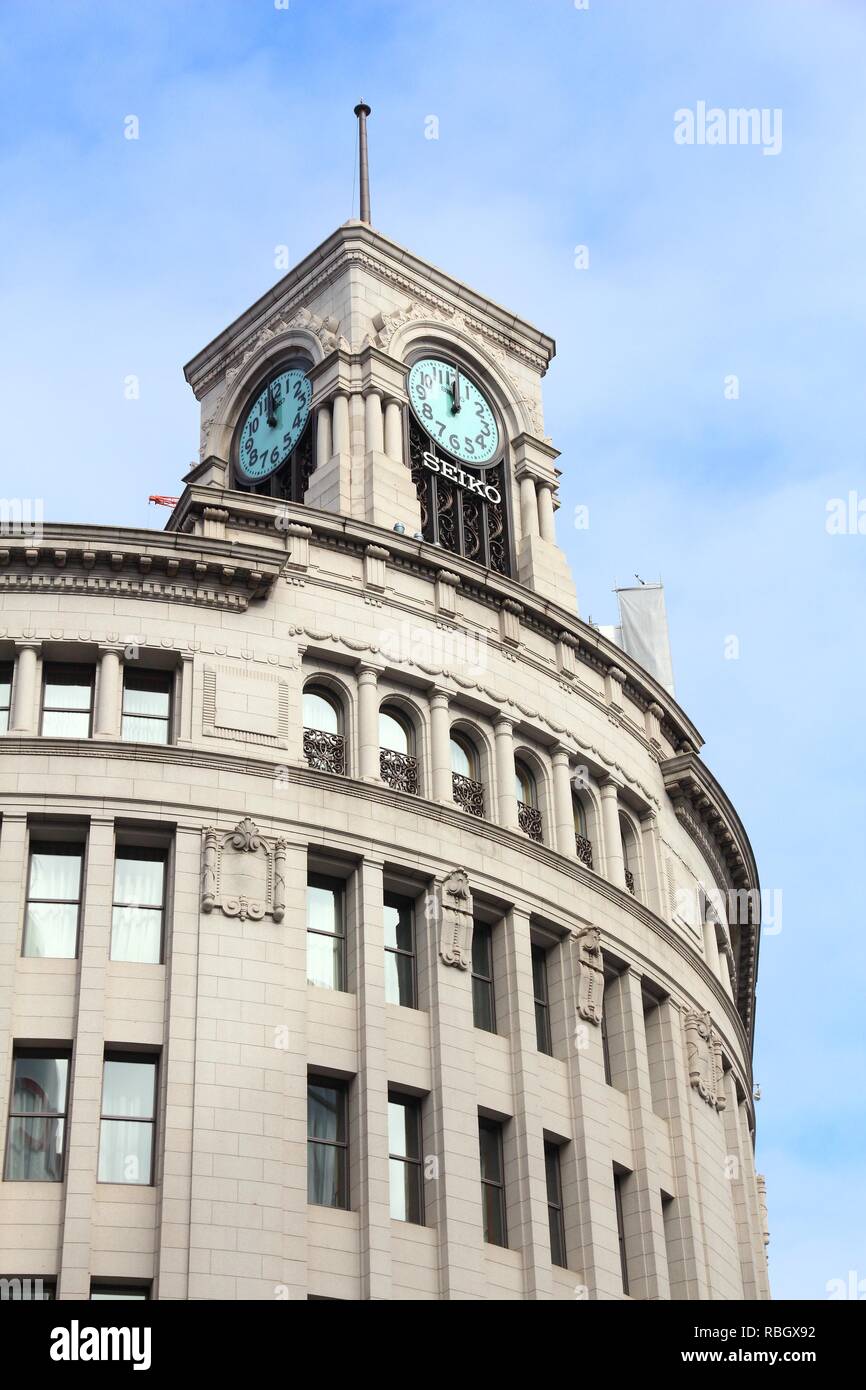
[394, 431]
[85, 1093]
[613, 855]
[375, 442]
[440, 740]
[652, 869]
[528, 506]
[324, 445]
[372, 1084]
[644, 1224]
[107, 723]
[13, 880]
[711, 948]
[507, 796]
[368, 723]
[341, 423]
[687, 1275]
[546, 523]
[562, 803]
[24, 716]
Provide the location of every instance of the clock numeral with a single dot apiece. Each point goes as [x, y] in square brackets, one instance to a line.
[427, 412]
[453, 443]
[275, 455]
[468, 444]
[441, 428]
[254, 423]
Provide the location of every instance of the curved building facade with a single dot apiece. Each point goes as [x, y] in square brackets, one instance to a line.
[371, 927]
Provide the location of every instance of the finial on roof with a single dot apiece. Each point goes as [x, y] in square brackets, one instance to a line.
[362, 111]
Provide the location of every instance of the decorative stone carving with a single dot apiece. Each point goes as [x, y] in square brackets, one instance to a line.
[589, 974]
[454, 904]
[704, 1054]
[243, 875]
[762, 1203]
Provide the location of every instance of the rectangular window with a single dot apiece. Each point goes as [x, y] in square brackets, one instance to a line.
[542, 1000]
[67, 700]
[326, 933]
[102, 1291]
[618, 1179]
[126, 1131]
[5, 694]
[555, 1215]
[327, 1143]
[27, 1288]
[147, 705]
[483, 1003]
[35, 1146]
[400, 977]
[492, 1182]
[404, 1146]
[53, 899]
[139, 899]
[605, 1047]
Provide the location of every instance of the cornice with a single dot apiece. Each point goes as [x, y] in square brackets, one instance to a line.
[418, 807]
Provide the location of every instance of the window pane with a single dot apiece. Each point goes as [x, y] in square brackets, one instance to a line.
[50, 929]
[125, 1149]
[55, 873]
[139, 730]
[392, 734]
[40, 1085]
[35, 1150]
[494, 1214]
[128, 1088]
[491, 1152]
[323, 909]
[326, 1175]
[100, 1295]
[5, 687]
[61, 724]
[405, 1191]
[398, 926]
[4, 719]
[481, 938]
[325, 961]
[460, 760]
[136, 934]
[326, 1112]
[542, 1029]
[557, 1240]
[142, 696]
[400, 980]
[138, 880]
[482, 1005]
[67, 691]
[403, 1129]
[539, 973]
[551, 1170]
[320, 714]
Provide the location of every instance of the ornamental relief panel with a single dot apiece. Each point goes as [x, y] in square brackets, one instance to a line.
[452, 908]
[243, 874]
[704, 1058]
[589, 974]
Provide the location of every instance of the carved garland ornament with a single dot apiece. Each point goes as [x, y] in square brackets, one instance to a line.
[243, 875]
[589, 974]
[704, 1055]
[453, 906]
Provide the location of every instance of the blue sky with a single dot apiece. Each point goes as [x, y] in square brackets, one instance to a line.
[555, 130]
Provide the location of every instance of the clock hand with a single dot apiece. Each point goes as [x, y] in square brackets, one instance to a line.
[455, 391]
[272, 409]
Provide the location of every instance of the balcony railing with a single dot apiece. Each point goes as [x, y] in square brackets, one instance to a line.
[584, 850]
[325, 752]
[468, 794]
[399, 771]
[629, 882]
[529, 820]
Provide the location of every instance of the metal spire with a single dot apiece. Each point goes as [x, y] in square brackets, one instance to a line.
[362, 111]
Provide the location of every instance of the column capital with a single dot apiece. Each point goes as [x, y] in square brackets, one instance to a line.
[368, 669]
[28, 644]
[560, 752]
[610, 785]
[504, 724]
[440, 697]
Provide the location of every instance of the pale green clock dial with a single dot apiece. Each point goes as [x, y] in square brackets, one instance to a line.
[453, 411]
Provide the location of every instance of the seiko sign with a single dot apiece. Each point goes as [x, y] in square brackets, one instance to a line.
[455, 474]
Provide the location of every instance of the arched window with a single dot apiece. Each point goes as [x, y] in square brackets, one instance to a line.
[397, 762]
[528, 814]
[324, 743]
[629, 853]
[468, 788]
[582, 842]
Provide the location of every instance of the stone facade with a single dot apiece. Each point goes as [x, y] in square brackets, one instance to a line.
[246, 600]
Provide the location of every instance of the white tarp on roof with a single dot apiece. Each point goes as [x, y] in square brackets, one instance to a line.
[644, 628]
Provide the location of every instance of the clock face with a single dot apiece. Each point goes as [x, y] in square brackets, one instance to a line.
[453, 411]
[274, 423]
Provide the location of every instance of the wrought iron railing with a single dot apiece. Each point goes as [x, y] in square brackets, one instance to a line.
[529, 820]
[399, 770]
[629, 882]
[325, 752]
[584, 850]
[468, 794]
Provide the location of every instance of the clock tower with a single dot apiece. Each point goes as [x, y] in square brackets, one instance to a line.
[371, 384]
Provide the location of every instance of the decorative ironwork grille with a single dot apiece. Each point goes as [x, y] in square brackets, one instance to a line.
[290, 482]
[458, 520]
[629, 882]
[399, 770]
[325, 752]
[584, 850]
[529, 820]
[468, 794]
